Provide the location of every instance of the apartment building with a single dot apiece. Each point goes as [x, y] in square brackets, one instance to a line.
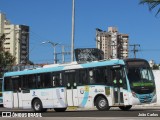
[112, 43]
[16, 39]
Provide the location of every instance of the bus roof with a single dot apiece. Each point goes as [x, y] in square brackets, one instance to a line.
[135, 59]
[70, 66]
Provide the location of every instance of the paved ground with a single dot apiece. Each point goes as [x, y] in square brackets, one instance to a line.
[114, 113]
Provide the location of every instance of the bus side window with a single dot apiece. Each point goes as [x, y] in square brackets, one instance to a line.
[39, 81]
[124, 79]
[57, 79]
[82, 77]
[16, 84]
[32, 81]
[60, 79]
[91, 76]
[25, 83]
[7, 84]
[110, 76]
[47, 79]
[106, 77]
[54, 81]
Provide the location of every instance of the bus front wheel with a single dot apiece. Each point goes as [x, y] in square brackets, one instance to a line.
[37, 106]
[125, 108]
[102, 104]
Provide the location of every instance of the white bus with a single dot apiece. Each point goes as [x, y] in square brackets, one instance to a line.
[104, 84]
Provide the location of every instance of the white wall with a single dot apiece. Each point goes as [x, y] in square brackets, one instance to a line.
[157, 82]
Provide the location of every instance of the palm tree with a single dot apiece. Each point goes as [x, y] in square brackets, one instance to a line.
[152, 4]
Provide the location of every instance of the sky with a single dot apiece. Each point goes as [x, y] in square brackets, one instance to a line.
[51, 20]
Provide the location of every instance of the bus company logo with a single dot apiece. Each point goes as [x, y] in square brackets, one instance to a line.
[95, 90]
[34, 93]
[98, 90]
[82, 91]
[13, 114]
[62, 90]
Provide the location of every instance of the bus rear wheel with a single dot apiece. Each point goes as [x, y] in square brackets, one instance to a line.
[60, 109]
[125, 108]
[102, 104]
[37, 106]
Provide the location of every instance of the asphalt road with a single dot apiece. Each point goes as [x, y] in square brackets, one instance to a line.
[114, 113]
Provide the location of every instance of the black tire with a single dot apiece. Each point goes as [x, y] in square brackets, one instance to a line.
[37, 106]
[60, 109]
[125, 108]
[102, 104]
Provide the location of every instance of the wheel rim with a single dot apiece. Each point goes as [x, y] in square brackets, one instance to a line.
[102, 103]
[36, 106]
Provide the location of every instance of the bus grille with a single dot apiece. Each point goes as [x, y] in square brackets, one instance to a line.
[145, 98]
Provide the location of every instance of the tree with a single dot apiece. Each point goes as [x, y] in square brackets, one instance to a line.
[152, 4]
[6, 62]
[6, 59]
[155, 67]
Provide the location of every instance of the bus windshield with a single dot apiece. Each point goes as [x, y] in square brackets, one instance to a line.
[141, 78]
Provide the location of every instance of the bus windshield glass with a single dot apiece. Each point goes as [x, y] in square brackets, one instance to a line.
[141, 77]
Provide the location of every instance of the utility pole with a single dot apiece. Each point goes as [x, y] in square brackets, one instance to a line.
[63, 58]
[64, 53]
[72, 41]
[134, 49]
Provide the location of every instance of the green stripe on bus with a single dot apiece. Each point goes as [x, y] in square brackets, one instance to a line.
[142, 84]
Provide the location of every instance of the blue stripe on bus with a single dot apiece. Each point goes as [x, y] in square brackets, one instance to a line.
[85, 99]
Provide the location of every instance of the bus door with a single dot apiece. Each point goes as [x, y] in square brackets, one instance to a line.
[71, 86]
[118, 81]
[17, 95]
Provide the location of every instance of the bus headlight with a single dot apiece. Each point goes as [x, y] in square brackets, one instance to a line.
[154, 93]
[154, 97]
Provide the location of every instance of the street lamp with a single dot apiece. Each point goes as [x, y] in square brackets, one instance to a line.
[73, 23]
[54, 47]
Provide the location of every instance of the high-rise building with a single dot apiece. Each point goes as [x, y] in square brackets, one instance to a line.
[16, 39]
[112, 43]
